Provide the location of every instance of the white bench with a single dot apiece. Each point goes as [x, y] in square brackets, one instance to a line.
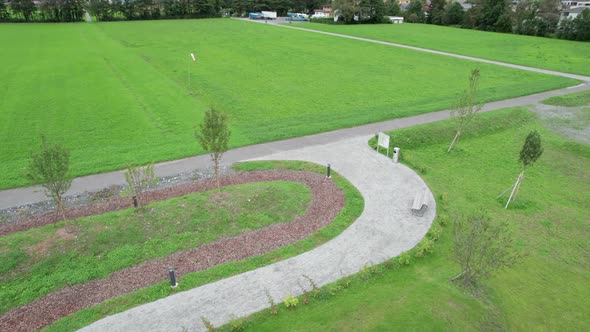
[419, 206]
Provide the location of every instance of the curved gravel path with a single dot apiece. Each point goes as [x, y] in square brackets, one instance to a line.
[385, 229]
[327, 202]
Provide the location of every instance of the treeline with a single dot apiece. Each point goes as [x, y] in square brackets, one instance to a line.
[104, 10]
[46, 11]
[528, 17]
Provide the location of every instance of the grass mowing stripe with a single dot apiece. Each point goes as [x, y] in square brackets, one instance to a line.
[548, 53]
[352, 209]
[117, 93]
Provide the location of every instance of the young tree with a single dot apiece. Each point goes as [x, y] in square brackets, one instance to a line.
[139, 179]
[214, 137]
[481, 247]
[50, 167]
[466, 106]
[531, 151]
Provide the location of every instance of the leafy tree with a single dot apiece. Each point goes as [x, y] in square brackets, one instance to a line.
[531, 151]
[139, 179]
[549, 13]
[436, 11]
[415, 12]
[466, 106]
[454, 14]
[494, 15]
[481, 247]
[372, 11]
[214, 137]
[24, 8]
[50, 167]
[346, 9]
[392, 8]
[4, 15]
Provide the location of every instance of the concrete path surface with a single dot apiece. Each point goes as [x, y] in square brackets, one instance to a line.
[385, 229]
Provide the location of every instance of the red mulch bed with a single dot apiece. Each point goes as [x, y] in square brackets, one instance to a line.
[327, 201]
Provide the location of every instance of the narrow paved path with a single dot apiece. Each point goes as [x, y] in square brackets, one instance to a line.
[21, 196]
[454, 55]
[385, 229]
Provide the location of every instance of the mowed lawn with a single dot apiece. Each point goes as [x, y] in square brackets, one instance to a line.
[546, 291]
[554, 54]
[119, 94]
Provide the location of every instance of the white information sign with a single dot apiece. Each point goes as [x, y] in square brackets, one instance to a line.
[383, 141]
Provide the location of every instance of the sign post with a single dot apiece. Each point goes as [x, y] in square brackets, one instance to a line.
[383, 141]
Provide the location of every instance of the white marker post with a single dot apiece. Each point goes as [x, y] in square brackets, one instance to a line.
[189, 69]
[383, 141]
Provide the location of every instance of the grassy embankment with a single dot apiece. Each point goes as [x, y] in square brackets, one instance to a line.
[546, 290]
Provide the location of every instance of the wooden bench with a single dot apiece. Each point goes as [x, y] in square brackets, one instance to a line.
[419, 206]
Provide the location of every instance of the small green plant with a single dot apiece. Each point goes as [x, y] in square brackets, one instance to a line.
[444, 219]
[315, 290]
[444, 201]
[305, 293]
[208, 325]
[426, 246]
[423, 169]
[274, 309]
[404, 258]
[237, 323]
[290, 301]
[389, 265]
[434, 232]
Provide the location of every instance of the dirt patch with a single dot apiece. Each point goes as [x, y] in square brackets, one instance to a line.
[43, 246]
[571, 122]
[327, 202]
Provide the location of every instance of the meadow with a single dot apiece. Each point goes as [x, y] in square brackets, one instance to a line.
[126, 93]
[546, 290]
[546, 53]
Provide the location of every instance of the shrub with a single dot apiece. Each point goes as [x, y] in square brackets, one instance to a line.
[425, 246]
[290, 301]
[404, 258]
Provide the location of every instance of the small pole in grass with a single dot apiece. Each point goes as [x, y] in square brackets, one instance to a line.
[173, 282]
[134, 201]
[328, 172]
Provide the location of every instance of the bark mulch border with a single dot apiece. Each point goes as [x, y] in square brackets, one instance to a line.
[327, 202]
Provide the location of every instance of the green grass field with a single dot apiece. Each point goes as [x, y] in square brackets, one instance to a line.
[546, 291]
[45, 259]
[553, 54]
[118, 93]
[572, 99]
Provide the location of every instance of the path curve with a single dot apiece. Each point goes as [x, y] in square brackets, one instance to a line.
[385, 229]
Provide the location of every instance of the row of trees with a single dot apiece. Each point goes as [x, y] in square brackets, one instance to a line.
[528, 17]
[50, 166]
[47, 11]
[110, 10]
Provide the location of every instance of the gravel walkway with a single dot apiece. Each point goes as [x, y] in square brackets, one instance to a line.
[327, 202]
[385, 229]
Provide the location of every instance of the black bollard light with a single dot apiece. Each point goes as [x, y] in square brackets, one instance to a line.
[173, 282]
[328, 172]
[134, 201]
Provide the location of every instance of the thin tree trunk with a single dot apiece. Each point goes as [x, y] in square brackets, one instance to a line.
[454, 140]
[217, 174]
[60, 207]
[515, 189]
